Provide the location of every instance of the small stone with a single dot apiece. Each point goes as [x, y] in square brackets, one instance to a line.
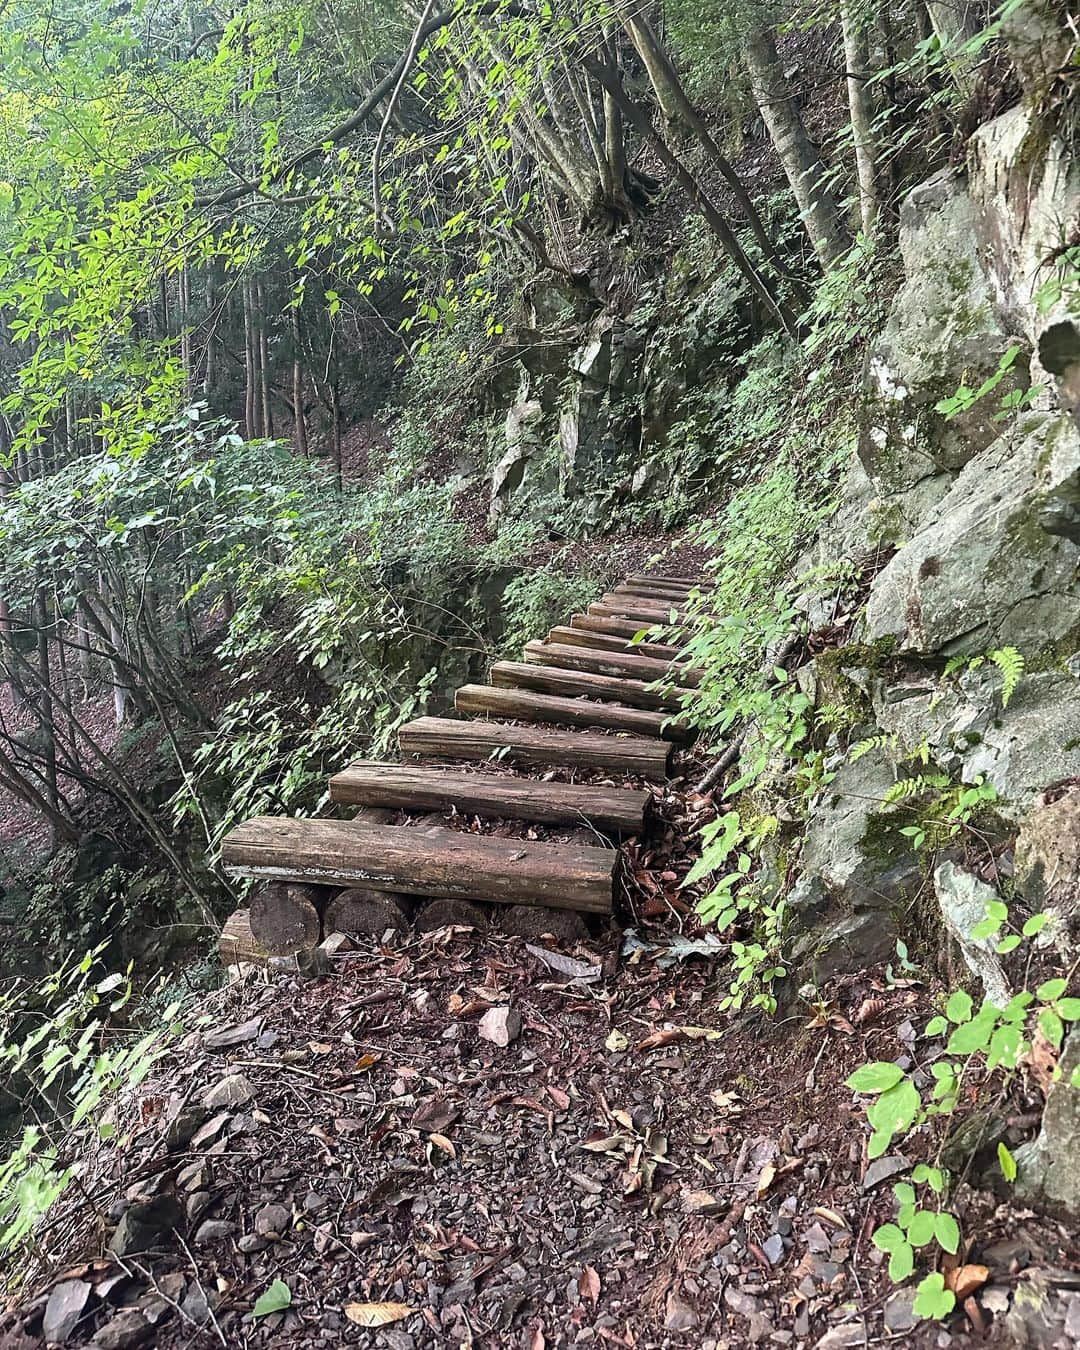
[881, 1169]
[701, 1202]
[313, 1202]
[210, 1131]
[63, 1310]
[336, 944]
[774, 1249]
[198, 1202]
[126, 1330]
[144, 1225]
[500, 1026]
[240, 1034]
[214, 1230]
[233, 1092]
[840, 1338]
[195, 1306]
[182, 1129]
[195, 1176]
[995, 1299]
[679, 1315]
[899, 1312]
[272, 1221]
[251, 1243]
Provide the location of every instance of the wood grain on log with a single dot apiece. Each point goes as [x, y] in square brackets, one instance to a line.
[358, 909]
[446, 863]
[611, 642]
[446, 738]
[622, 665]
[285, 917]
[704, 583]
[527, 706]
[581, 683]
[413, 787]
[624, 607]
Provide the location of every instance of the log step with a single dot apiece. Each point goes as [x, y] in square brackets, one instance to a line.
[644, 614]
[618, 664]
[626, 628]
[611, 642]
[413, 787]
[435, 862]
[443, 737]
[527, 706]
[686, 583]
[581, 683]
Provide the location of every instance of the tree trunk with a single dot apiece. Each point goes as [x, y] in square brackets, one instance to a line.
[299, 415]
[264, 361]
[799, 158]
[955, 24]
[250, 397]
[861, 106]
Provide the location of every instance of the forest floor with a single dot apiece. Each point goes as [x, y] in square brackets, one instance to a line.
[631, 1169]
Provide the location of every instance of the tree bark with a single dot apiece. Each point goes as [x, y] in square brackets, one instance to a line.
[861, 108]
[799, 157]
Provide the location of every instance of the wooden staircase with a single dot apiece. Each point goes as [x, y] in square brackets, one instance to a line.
[585, 701]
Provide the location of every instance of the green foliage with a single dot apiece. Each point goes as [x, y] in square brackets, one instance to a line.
[276, 1298]
[542, 597]
[66, 1057]
[983, 1045]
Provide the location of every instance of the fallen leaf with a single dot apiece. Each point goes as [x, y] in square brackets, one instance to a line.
[319, 1047]
[589, 1284]
[440, 1141]
[1042, 1060]
[656, 1040]
[607, 1143]
[727, 1102]
[565, 965]
[559, 1097]
[435, 1113]
[765, 1179]
[377, 1314]
[276, 1298]
[964, 1280]
[616, 1041]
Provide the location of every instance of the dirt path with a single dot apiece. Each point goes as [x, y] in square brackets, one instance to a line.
[613, 1175]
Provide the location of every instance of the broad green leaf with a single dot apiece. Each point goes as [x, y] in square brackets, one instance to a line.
[947, 1232]
[888, 1237]
[901, 1262]
[874, 1078]
[1050, 990]
[959, 1006]
[1007, 1162]
[921, 1229]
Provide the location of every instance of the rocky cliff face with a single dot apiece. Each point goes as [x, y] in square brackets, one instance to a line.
[979, 497]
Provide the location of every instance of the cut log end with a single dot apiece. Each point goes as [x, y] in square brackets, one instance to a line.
[358, 911]
[533, 923]
[443, 913]
[285, 917]
[236, 945]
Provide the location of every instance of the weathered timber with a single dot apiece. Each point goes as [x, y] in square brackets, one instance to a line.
[704, 583]
[285, 917]
[446, 913]
[359, 909]
[641, 603]
[622, 665]
[621, 607]
[611, 642]
[412, 787]
[446, 738]
[557, 680]
[626, 628]
[659, 594]
[527, 921]
[236, 945]
[526, 705]
[441, 863]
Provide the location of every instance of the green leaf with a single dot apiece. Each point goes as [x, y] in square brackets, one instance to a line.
[1050, 1025]
[874, 1078]
[1035, 924]
[896, 1109]
[1008, 944]
[1050, 990]
[933, 1177]
[986, 929]
[933, 1299]
[921, 1228]
[974, 1035]
[947, 1232]
[936, 1026]
[901, 1263]
[1007, 1162]
[959, 1006]
[1068, 1009]
[888, 1237]
[277, 1297]
[904, 1192]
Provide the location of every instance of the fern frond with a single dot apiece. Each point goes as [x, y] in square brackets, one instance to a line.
[872, 743]
[1011, 664]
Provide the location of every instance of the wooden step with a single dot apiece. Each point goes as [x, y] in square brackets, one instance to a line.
[705, 583]
[643, 591]
[619, 664]
[625, 607]
[412, 787]
[446, 738]
[435, 862]
[582, 683]
[626, 628]
[610, 642]
[525, 705]
[664, 608]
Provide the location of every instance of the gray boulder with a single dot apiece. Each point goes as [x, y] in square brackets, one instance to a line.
[963, 900]
[995, 562]
[1048, 857]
